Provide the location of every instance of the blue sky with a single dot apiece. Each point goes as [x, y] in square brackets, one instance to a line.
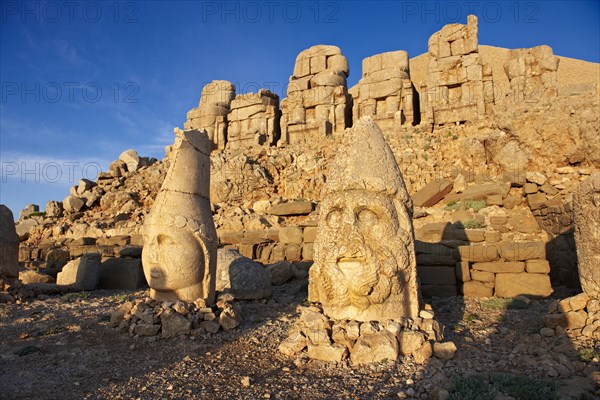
[84, 80]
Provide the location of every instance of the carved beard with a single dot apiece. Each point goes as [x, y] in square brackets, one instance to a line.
[367, 282]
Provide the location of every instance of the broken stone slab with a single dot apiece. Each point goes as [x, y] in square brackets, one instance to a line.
[174, 324]
[375, 347]
[85, 185]
[24, 227]
[280, 272]
[292, 208]
[82, 273]
[121, 273]
[431, 194]
[327, 352]
[131, 159]
[483, 191]
[73, 204]
[241, 276]
[9, 244]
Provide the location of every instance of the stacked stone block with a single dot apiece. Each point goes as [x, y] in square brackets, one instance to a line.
[532, 73]
[459, 86]
[385, 91]
[211, 113]
[317, 103]
[253, 120]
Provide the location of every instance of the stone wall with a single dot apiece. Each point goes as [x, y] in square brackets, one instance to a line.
[385, 91]
[532, 74]
[459, 85]
[211, 113]
[317, 103]
[253, 120]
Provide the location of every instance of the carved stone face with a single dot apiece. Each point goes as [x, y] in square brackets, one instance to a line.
[173, 260]
[361, 253]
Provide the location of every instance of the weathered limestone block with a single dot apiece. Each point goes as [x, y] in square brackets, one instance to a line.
[291, 208]
[9, 244]
[385, 91]
[253, 120]
[532, 74]
[73, 204]
[241, 277]
[513, 285]
[122, 273]
[82, 273]
[365, 265]
[431, 194]
[586, 207]
[54, 209]
[500, 266]
[317, 103]
[478, 289]
[375, 347]
[211, 113]
[459, 85]
[180, 240]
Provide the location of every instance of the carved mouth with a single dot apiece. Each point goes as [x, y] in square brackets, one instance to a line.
[350, 266]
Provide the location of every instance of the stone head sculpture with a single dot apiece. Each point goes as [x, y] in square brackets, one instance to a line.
[180, 240]
[365, 266]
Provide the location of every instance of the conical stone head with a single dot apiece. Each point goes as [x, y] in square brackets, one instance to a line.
[180, 240]
[365, 266]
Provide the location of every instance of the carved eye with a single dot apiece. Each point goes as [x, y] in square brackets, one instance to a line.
[165, 240]
[334, 218]
[367, 217]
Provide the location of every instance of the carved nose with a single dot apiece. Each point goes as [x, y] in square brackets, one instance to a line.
[152, 255]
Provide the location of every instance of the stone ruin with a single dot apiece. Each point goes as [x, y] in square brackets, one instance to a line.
[364, 275]
[211, 113]
[385, 91]
[9, 244]
[532, 74]
[580, 314]
[254, 120]
[459, 85]
[317, 103]
[180, 240]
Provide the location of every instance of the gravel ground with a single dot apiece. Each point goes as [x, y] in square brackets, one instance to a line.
[64, 348]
